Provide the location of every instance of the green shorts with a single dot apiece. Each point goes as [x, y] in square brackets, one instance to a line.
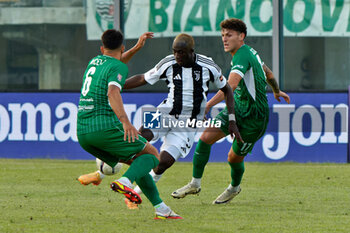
[109, 145]
[250, 129]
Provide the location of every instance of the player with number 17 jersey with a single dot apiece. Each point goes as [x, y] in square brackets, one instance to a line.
[250, 94]
[251, 107]
[95, 113]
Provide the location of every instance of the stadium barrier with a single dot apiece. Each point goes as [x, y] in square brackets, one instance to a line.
[313, 128]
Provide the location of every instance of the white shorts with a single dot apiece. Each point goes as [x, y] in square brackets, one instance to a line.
[177, 142]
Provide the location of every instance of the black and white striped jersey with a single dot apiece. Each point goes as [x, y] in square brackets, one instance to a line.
[188, 86]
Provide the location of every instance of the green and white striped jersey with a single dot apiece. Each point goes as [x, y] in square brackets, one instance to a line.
[95, 113]
[250, 94]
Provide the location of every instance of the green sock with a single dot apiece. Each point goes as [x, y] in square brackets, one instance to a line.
[149, 188]
[237, 170]
[141, 166]
[200, 158]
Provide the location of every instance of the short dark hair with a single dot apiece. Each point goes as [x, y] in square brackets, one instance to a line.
[186, 38]
[235, 25]
[112, 39]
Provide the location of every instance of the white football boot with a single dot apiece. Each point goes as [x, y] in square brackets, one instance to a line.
[226, 196]
[185, 190]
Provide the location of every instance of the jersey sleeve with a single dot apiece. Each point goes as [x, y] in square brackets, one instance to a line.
[220, 82]
[214, 70]
[152, 76]
[219, 79]
[118, 75]
[240, 64]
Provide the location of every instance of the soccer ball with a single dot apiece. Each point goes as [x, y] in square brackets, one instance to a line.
[106, 169]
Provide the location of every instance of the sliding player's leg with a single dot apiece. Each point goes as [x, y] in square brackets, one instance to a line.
[165, 160]
[92, 142]
[110, 147]
[168, 156]
[138, 171]
[96, 177]
[141, 165]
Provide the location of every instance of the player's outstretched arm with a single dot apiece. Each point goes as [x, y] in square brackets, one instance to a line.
[126, 56]
[116, 102]
[135, 81]
[277, 93]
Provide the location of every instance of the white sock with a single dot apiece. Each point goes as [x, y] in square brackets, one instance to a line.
[196, 182]
[138, 190]
[233, 188]
[101, 174]
[162, 208]
[125, 181]
[155, 177]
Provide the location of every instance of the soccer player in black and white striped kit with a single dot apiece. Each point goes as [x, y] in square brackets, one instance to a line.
[187, 76]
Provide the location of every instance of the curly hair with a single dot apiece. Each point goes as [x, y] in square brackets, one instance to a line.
[235, 25]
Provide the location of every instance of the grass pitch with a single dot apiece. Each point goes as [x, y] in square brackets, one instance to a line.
[44, 196]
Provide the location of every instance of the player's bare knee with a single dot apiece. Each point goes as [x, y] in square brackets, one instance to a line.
[150, 149]
[232, 157]
[205, 137]
[229, 156]
[153, 151]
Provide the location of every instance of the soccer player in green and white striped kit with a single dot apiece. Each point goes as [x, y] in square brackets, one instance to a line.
[248, 78]
[105, 131]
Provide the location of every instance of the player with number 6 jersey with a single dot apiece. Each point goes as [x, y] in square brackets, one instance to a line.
[95, 113]
[105, 131]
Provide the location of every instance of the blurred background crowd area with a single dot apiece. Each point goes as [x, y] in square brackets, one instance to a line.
[44, 47]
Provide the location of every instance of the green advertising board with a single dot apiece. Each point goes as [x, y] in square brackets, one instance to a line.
[202, 17]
